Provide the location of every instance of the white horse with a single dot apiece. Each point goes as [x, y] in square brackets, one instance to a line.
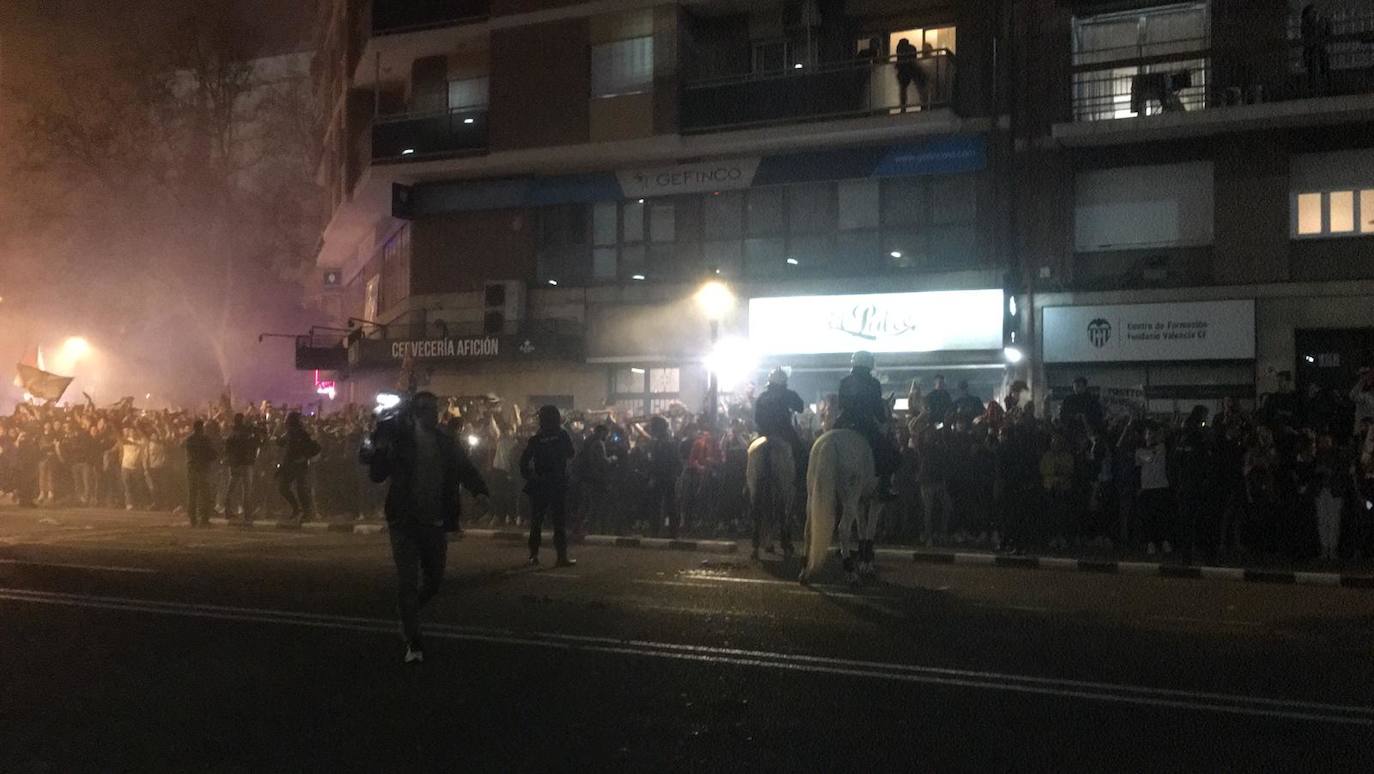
[770, 481]
[841, 476]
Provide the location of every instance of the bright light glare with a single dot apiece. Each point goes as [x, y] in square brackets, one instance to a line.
[896, 253]
[637, 277]
[732, 361]
[407, 151]
[76, 347]
[553, 282]
[387, 400]
[715, 300]
[473, 440]
[1013, 354]
[467, 120]
[791, 261]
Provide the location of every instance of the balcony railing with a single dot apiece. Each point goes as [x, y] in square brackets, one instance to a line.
[818, 92]
[390, 17]
[454, 132]
[1190, 75]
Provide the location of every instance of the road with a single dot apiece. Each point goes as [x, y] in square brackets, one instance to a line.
[127, 643]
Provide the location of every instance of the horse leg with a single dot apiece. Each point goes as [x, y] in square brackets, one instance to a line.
[848, 521]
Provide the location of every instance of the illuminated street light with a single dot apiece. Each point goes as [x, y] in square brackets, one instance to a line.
[1013, 355]
[715, 300]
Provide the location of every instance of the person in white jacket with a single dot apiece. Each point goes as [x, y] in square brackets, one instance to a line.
[132, 464]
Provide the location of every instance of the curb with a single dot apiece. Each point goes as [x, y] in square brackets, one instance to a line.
[1053, 563]
[511, 536]
[662, 544]
[1160, 570]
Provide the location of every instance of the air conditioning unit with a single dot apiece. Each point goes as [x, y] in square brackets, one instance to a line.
[503, 307]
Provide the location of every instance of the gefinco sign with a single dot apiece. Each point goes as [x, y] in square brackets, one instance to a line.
[935, 321]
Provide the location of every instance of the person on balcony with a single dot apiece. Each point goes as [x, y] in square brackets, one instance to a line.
[908, 72]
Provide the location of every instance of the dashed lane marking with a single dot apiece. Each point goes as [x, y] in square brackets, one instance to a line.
[1057, 688]
[67, 566]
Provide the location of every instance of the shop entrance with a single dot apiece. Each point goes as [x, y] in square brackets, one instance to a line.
[1332, 357]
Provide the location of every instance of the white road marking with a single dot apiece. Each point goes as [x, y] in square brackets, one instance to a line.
[1199, 701]
[1186, 619]
[100, 567]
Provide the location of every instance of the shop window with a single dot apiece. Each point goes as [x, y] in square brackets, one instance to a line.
[904, 249]
[662, 223]
[953, 247]
[632, 259]
[954, 200]
[605, 226]
[904, 201]
[810, 251]
[724, 255]
[811, 208]
[632, 221]
[645, 390]
[858, 250]
[562, 254]
[623, 67]
[764, 257]
[664, 380]
[722, 215]
[628, 381]
[1333, 213]
[604, 263]
[765, 212]
[858, 204]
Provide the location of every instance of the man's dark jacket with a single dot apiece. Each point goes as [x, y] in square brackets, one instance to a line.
[861, 402]
[394, 458]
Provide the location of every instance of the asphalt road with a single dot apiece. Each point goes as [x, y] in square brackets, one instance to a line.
[130, 644]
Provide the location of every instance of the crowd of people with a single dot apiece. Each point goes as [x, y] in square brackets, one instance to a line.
[1292, 478]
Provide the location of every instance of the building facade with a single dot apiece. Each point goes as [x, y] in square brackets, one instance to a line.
[1196, 203]
[527, 194]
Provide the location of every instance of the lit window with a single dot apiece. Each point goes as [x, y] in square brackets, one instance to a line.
[623, 67]
[1309, 213]
[1342, 218]
[1367, 211]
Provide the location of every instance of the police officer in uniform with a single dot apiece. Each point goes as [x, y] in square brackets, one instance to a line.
[863, 410]
[544, 465]
[773, 412]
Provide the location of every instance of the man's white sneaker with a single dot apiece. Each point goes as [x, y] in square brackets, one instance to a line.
[414, 656]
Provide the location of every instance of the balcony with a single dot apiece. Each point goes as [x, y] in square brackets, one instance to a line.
[863, 87]
[455, 132]
[390, 17]
[1197, 84]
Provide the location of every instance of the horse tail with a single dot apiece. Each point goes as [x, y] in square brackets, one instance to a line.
[822, 482]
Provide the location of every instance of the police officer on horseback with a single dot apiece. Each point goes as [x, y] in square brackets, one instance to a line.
[773, 412]
[863, 410]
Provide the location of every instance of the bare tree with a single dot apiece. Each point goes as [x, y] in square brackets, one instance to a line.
[183, 174]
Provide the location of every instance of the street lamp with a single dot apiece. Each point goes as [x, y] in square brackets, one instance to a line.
[715, 301]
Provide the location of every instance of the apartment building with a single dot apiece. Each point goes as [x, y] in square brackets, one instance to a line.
[527, 195]
[1197, 205]
[1176, 197]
